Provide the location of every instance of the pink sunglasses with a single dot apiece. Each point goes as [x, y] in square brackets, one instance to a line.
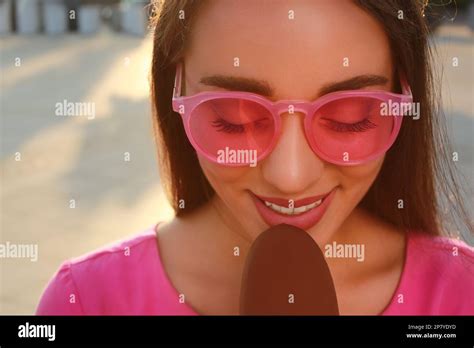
[343, 128]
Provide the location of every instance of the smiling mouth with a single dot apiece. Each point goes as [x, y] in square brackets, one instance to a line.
[292, 210]
[295, 208]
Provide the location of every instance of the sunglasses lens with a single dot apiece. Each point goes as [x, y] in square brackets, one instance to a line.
[351, 129]
[232, 131]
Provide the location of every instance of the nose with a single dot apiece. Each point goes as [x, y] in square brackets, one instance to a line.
[292, 167]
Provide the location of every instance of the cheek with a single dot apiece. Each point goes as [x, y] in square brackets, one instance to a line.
[224, 178]
[358, 179]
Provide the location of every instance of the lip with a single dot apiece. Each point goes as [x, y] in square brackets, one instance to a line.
[296, 203]
[304, 220]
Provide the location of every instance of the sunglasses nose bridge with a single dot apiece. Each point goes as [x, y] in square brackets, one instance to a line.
[292, 107]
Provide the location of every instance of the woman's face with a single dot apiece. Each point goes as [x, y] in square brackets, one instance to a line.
[300, 49]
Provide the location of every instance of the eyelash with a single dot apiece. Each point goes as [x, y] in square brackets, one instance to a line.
[227, 127]
[360, 126]
[224, 126]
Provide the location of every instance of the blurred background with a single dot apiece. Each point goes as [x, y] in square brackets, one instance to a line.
[74, 182]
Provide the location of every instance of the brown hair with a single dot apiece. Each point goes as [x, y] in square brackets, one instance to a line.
[417, 164]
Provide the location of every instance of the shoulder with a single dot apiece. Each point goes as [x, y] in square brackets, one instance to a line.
[438, 275]
[81, 284]
[448, 254]
[119, 252]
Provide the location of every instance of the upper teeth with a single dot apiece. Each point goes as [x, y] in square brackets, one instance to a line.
[292, 211]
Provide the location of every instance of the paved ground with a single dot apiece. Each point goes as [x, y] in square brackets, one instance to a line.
[64, 158]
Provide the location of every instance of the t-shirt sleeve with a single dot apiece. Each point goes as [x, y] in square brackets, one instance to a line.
[60, 296]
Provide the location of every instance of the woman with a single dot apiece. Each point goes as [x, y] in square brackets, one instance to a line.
[317, 114]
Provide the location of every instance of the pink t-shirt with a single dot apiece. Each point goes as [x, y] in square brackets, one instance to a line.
[127, 278]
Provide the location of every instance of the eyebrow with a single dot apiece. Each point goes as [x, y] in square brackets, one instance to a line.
[242, 84]
[356, 82]
[263, 87]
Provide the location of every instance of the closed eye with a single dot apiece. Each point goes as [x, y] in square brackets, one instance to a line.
[225, 126]
[361, 126]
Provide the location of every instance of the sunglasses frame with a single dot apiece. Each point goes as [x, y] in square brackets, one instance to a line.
[185, 105]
